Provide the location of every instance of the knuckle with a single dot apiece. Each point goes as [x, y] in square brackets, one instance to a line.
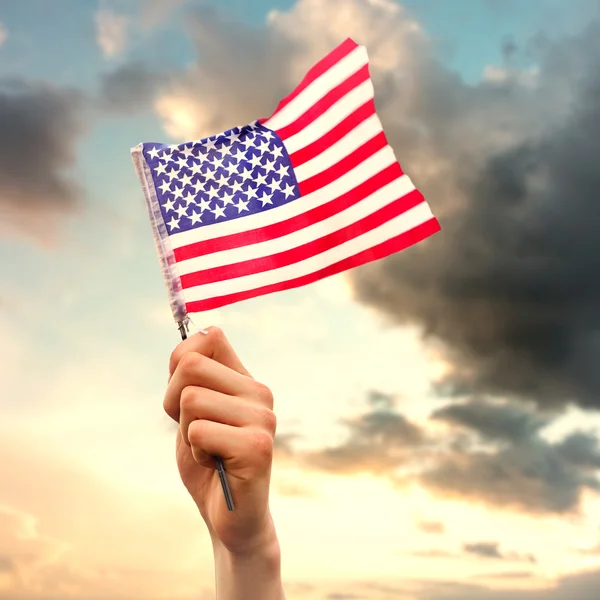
[196, 433]
[262, 445]
[263, 393]
[188, 397]
[216, 335]
[190, 363]
[267, 420]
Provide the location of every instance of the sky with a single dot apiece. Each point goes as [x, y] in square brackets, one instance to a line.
[437, 410]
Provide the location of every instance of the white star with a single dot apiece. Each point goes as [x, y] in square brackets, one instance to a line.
[189, 198]
[288, 191]
[197, 187]
[267, 133]
[238, 154]
[210, 144]
[178, 193]
[283, 170]
[173, 223]
[187, 152]
[251, 193]
[274, 185]
[231, 169]
[217, 162]
[195, 169]
[276, 152]
[182, 162]
[181, 211]
[169, 205]
[195, 217]
[208, 174]
[233, 136]
[246, 174]
[165, 187]
[247, 142]
[260, 179]
[161, 169]
[219, 211]
[213, 193]
[263, 147]
[255, 160]
[172, 174]
[241, 205]
[222, 181]
[186, 180]
[236, 187]
[227, 198]
[153, 153]
[269, 166]
[204, 205]
[265, 199]
[169, 158]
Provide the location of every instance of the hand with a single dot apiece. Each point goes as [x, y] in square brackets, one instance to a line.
[222, 411]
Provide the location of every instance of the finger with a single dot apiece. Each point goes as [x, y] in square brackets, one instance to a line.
[213, 345]
[203, 404]
[246, 447]
[198, 370]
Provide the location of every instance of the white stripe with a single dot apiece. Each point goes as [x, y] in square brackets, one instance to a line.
[352, 141]
[371, 166]
[333, 116]
[376, 201]
[319, 87]
[402, 223]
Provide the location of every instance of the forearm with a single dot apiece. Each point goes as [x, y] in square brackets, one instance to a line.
[256, 576]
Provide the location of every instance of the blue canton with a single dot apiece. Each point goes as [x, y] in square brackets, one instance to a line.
[240, 172]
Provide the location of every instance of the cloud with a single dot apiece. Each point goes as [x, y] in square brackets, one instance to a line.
[379, 440]
[111, 33]
[39, 127]
[489, 452]
[432, 527]
[130, 88]
[506, 164]
[508, 167]
[491, 550]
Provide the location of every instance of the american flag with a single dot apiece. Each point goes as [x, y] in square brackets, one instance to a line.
[310, 192]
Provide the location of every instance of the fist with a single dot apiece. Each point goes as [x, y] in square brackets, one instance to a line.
[222, 411]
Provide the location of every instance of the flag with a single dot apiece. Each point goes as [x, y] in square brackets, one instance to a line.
[310, 192]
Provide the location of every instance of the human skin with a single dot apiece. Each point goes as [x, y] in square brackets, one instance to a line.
[223, 411]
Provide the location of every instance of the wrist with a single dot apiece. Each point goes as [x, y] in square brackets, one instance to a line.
[251, 573]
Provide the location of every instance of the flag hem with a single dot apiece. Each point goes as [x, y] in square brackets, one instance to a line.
[161, 237]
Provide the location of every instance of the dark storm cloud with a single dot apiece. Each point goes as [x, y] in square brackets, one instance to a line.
[378, 441]
[518, 469]
[495, 422]
[131, 88]
[39, 128]
[510, 283]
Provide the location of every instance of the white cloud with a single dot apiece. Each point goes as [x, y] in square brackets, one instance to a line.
[111, 32]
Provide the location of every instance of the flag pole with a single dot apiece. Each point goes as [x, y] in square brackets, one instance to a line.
[220, 466]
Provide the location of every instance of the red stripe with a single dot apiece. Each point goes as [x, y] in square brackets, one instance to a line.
[320, 180]
[307, 250]
[324, 103]
[271, 232]
[334, 135]
[382, 250]
[316, 71]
